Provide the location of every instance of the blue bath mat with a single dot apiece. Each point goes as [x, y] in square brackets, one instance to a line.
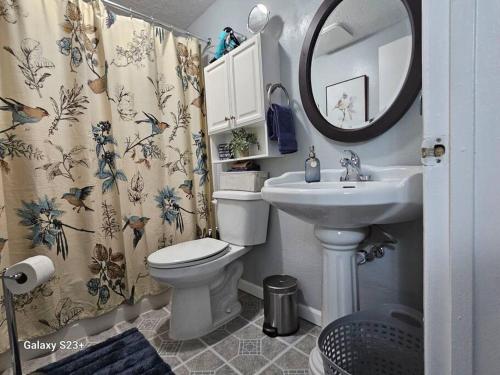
[128, 353]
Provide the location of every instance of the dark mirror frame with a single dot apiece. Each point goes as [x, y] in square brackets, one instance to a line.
[399, 107]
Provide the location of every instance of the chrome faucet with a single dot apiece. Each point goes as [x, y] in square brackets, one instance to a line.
[352, 164]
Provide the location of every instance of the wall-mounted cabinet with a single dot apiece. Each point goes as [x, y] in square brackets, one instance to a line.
[235, 87]
[217, 89]
[247, 83]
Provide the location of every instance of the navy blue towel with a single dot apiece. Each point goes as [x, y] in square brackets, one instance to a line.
[128, 353]
[281, 128]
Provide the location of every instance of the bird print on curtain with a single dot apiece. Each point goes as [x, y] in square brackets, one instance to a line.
[76, 197]
[21, 113]
[103, 154]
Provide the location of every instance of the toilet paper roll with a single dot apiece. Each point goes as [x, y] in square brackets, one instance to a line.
[38, 269]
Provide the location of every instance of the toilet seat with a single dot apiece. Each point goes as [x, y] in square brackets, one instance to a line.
[188, 253]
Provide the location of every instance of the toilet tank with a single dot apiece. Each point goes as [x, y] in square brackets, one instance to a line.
[242, 217]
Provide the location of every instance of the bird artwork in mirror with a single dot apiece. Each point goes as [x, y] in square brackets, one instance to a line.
[360, 67]
[346, 103]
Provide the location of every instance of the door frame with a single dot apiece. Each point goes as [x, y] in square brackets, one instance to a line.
[449, 34]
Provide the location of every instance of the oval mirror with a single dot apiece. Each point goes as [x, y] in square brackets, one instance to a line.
[360, 68]
[258, 18]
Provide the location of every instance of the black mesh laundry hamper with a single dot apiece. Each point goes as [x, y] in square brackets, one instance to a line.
[383, 341]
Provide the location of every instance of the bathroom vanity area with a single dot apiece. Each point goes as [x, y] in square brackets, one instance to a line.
[358, 75]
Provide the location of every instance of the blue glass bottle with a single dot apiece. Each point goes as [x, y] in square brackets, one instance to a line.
[313, 171]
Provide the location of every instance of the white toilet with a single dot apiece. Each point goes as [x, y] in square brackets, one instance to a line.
[204, 273]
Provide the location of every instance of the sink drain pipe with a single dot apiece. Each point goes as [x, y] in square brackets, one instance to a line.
[377, 250]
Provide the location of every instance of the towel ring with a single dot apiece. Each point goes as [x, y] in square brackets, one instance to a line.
[272, 87]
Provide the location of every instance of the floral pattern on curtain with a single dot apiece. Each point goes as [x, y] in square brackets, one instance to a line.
[103, 155]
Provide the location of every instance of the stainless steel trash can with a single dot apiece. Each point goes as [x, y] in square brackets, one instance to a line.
[280, 306]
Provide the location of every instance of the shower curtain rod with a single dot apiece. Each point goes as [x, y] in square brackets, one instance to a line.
[153, 20]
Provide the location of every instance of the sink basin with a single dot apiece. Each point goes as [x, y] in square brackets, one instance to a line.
[341, 213]
[393, 195]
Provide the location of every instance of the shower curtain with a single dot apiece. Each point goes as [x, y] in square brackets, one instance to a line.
[103, 155]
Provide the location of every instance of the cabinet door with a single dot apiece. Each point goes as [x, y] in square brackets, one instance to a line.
[247, 83]
[217, 96]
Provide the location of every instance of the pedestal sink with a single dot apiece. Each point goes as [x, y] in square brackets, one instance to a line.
[342, 213]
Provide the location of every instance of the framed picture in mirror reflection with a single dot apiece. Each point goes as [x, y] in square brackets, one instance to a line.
[347, 103]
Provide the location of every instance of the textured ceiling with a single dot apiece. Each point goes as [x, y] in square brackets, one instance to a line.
[362, 18]
[366, 17]
[180, 13]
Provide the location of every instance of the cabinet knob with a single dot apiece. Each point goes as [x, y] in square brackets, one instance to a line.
[233, 118]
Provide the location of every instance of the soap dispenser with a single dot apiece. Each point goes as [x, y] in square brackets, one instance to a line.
[313, 173]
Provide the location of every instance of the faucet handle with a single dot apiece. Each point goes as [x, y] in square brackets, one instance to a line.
[352, 156]
[346, 158]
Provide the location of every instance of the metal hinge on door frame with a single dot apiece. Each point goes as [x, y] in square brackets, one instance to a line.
[433, 150]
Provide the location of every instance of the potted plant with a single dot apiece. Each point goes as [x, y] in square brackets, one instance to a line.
[241, 142]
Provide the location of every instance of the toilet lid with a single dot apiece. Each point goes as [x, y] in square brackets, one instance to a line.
[188, 253]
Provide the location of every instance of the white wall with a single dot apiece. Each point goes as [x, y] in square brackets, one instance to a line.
[291, 247]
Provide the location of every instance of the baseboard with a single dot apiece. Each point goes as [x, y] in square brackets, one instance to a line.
[251, 288]
[310, 314]
[305, 312]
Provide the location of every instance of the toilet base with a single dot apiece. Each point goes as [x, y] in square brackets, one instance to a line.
[199, 309]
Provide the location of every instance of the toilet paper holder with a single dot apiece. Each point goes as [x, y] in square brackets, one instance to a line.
[10, 312]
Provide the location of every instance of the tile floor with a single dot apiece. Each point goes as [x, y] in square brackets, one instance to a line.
[239, 347]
